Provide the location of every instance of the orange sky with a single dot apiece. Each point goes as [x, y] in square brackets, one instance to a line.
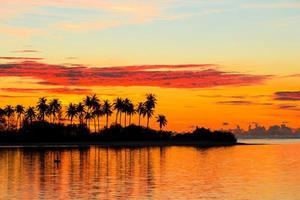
[210, 63]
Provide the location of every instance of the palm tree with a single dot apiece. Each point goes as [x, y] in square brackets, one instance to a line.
[140, 110]
[87, 117]
[54, 108]
[125, 108]
[149, 106]
[2, 113]
[20, 111]
[117, 105]
[162, 120]
[71, 112]
[107, 110]
[130, 111]
[95, 105]
[97, 113]
[30, 114]
[80, 110]
[42, 108]
[9, 112]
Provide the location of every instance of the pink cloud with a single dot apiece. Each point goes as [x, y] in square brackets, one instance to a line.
[167, 76]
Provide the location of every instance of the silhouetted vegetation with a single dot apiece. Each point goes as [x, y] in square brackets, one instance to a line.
[48, 121]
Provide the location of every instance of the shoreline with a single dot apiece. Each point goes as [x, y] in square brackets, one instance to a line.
[141, 144]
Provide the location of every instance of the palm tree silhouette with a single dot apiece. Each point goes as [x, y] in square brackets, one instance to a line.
[54, 108]
[107, 110]
[97, 113]
[80, 110]
[42, 108]
[149, 106]
[30, 114]
[95, 105]
[125, 109]
[140, 110]
[130, 111]
[71, 112]
[162, 120]
[118, 105]
[20, 111]
[9, 112]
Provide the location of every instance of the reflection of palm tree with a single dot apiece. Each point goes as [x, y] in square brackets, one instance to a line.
[107, 110]
[162, 120]
[42, 108]
[118, 104]
[9, 112]
[30, 114]
[54, 108]
[20, 111]
[140, 110]
[80, 110]
[149, 106]
[71, 112]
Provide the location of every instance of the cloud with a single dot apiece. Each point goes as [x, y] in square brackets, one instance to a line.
[289, 107]
[64, 90]
[287, 96]
[242, 102]
[25, 51]
[18, 58]
[166, 76]
[235, 102]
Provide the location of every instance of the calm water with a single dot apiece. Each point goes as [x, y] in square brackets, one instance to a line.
[240, 172]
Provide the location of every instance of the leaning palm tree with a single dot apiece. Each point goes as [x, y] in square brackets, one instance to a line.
[140, 110]
[42, 108]
[107, 110]
[54, 108]
[71, 112]
[117, 105]
[162, 120]
[30, 114]
[149, 104]
[95, 105]
[9, 112]
[20, 111]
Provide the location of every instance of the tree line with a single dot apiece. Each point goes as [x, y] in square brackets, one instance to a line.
[89, 111]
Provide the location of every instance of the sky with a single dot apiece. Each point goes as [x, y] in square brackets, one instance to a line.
[212, 63]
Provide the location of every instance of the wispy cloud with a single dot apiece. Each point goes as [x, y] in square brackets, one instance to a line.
[63, 90]
[25, 51]
[167, 76]
[18, 58]
[287, 96]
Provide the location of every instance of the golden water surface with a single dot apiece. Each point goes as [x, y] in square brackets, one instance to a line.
[239, 172]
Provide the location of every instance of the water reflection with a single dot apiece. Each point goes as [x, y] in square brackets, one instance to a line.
[241, 172]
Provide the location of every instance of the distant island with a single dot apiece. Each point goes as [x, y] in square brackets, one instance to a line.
[45, 123]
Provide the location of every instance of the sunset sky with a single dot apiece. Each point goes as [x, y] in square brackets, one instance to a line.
[212, 63]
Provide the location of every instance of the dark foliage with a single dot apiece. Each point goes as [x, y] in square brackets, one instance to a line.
[50, 132]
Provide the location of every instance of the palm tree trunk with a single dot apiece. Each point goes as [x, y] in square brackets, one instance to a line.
[106, 120]
[117, 117]
[125, 119]
[120, 118]
[129, 119]
[148, 121]
[139, 119]
[99, 123]
[95, 127]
